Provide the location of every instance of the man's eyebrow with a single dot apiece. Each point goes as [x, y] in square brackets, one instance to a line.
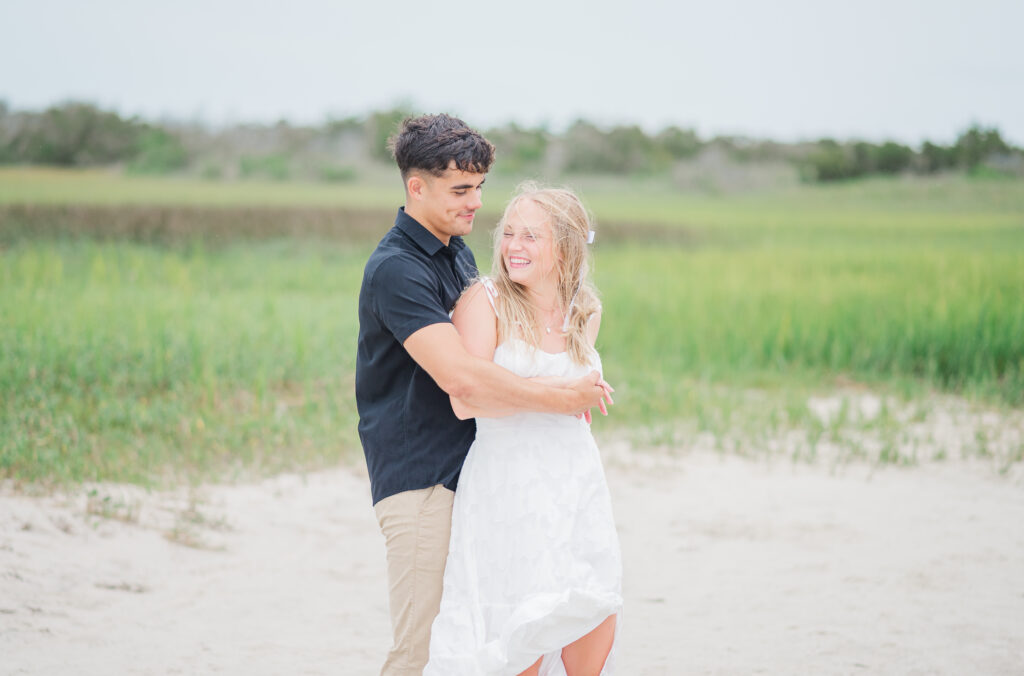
[467, 186]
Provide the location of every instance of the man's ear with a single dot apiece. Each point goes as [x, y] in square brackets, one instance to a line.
[415, 186]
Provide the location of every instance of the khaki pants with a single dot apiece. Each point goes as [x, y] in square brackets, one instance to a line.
[416, 527]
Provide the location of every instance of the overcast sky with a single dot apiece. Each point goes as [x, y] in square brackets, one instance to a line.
[787, 69]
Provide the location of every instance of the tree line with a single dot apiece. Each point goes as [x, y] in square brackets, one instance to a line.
[80, 134]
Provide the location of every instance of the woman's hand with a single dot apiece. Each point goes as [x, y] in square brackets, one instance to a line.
[606, 400]
[603, 403]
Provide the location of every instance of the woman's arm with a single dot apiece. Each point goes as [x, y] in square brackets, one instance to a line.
[593, 328]
[477, 324]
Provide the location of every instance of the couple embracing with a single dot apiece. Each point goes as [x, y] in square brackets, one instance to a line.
[518, 572]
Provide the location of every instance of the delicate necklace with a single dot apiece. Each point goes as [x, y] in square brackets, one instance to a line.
[548, 324]
[547, 315]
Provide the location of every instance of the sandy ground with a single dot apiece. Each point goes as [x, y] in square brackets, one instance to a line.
[731, 567]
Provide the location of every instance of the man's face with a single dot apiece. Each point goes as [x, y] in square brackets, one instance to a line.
[446, 204]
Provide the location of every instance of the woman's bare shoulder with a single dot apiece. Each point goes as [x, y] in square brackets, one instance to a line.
[475, 304]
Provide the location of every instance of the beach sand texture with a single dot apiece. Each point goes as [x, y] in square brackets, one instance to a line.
[732, 566]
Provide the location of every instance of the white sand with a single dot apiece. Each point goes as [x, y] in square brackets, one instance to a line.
[731, 567]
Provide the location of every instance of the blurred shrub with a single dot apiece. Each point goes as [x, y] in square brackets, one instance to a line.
[336, 174]
[679, 144]
[381, 126]
[892, 158]
[212, 171]
[158, 152]
[273, 166]
[341, 126]
[72, 134]
[6, 132]
[935, 158]
[830, 162]
[978, 144]
[518, 150]
[621, 150]
[741, 149]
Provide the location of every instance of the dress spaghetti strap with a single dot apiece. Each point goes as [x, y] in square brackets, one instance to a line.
[492, 291]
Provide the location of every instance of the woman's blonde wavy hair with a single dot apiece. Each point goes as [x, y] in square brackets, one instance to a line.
[570, 228]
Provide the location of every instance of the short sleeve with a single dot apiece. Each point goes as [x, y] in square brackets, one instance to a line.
[406, 297]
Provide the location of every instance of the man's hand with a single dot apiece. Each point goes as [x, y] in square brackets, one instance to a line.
[589, 391]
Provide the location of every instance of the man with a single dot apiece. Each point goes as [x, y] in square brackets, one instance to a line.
[410, 359]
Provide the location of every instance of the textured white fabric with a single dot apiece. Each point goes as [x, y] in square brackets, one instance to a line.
[534, 560]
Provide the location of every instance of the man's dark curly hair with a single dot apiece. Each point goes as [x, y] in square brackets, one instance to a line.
[432, 142]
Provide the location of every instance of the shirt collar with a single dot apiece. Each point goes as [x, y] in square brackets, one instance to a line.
[423, 238]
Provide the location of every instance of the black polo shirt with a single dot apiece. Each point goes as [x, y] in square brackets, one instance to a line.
[409, 433]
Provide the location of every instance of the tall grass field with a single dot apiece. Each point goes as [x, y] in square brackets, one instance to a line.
[151, 358]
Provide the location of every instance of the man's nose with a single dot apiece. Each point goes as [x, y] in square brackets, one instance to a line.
[475, 202]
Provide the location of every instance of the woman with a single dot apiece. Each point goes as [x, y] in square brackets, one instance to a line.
[533, 578]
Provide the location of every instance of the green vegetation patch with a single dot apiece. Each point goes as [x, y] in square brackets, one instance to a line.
[123, 361]
[129, 356]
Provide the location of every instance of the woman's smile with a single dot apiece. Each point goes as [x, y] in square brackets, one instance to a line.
[527, 247]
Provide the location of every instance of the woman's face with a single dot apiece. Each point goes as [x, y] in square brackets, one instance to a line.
[527, 247]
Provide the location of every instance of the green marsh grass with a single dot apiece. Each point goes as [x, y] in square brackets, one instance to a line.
[952, 320]
[122, 361]
[136, 360]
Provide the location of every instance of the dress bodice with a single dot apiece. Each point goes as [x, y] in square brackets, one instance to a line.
[527, 361]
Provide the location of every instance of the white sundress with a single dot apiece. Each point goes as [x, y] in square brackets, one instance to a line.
[534, 560]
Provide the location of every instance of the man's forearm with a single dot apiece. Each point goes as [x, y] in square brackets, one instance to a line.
[483, 385]
[464, 410]
[486, 387]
